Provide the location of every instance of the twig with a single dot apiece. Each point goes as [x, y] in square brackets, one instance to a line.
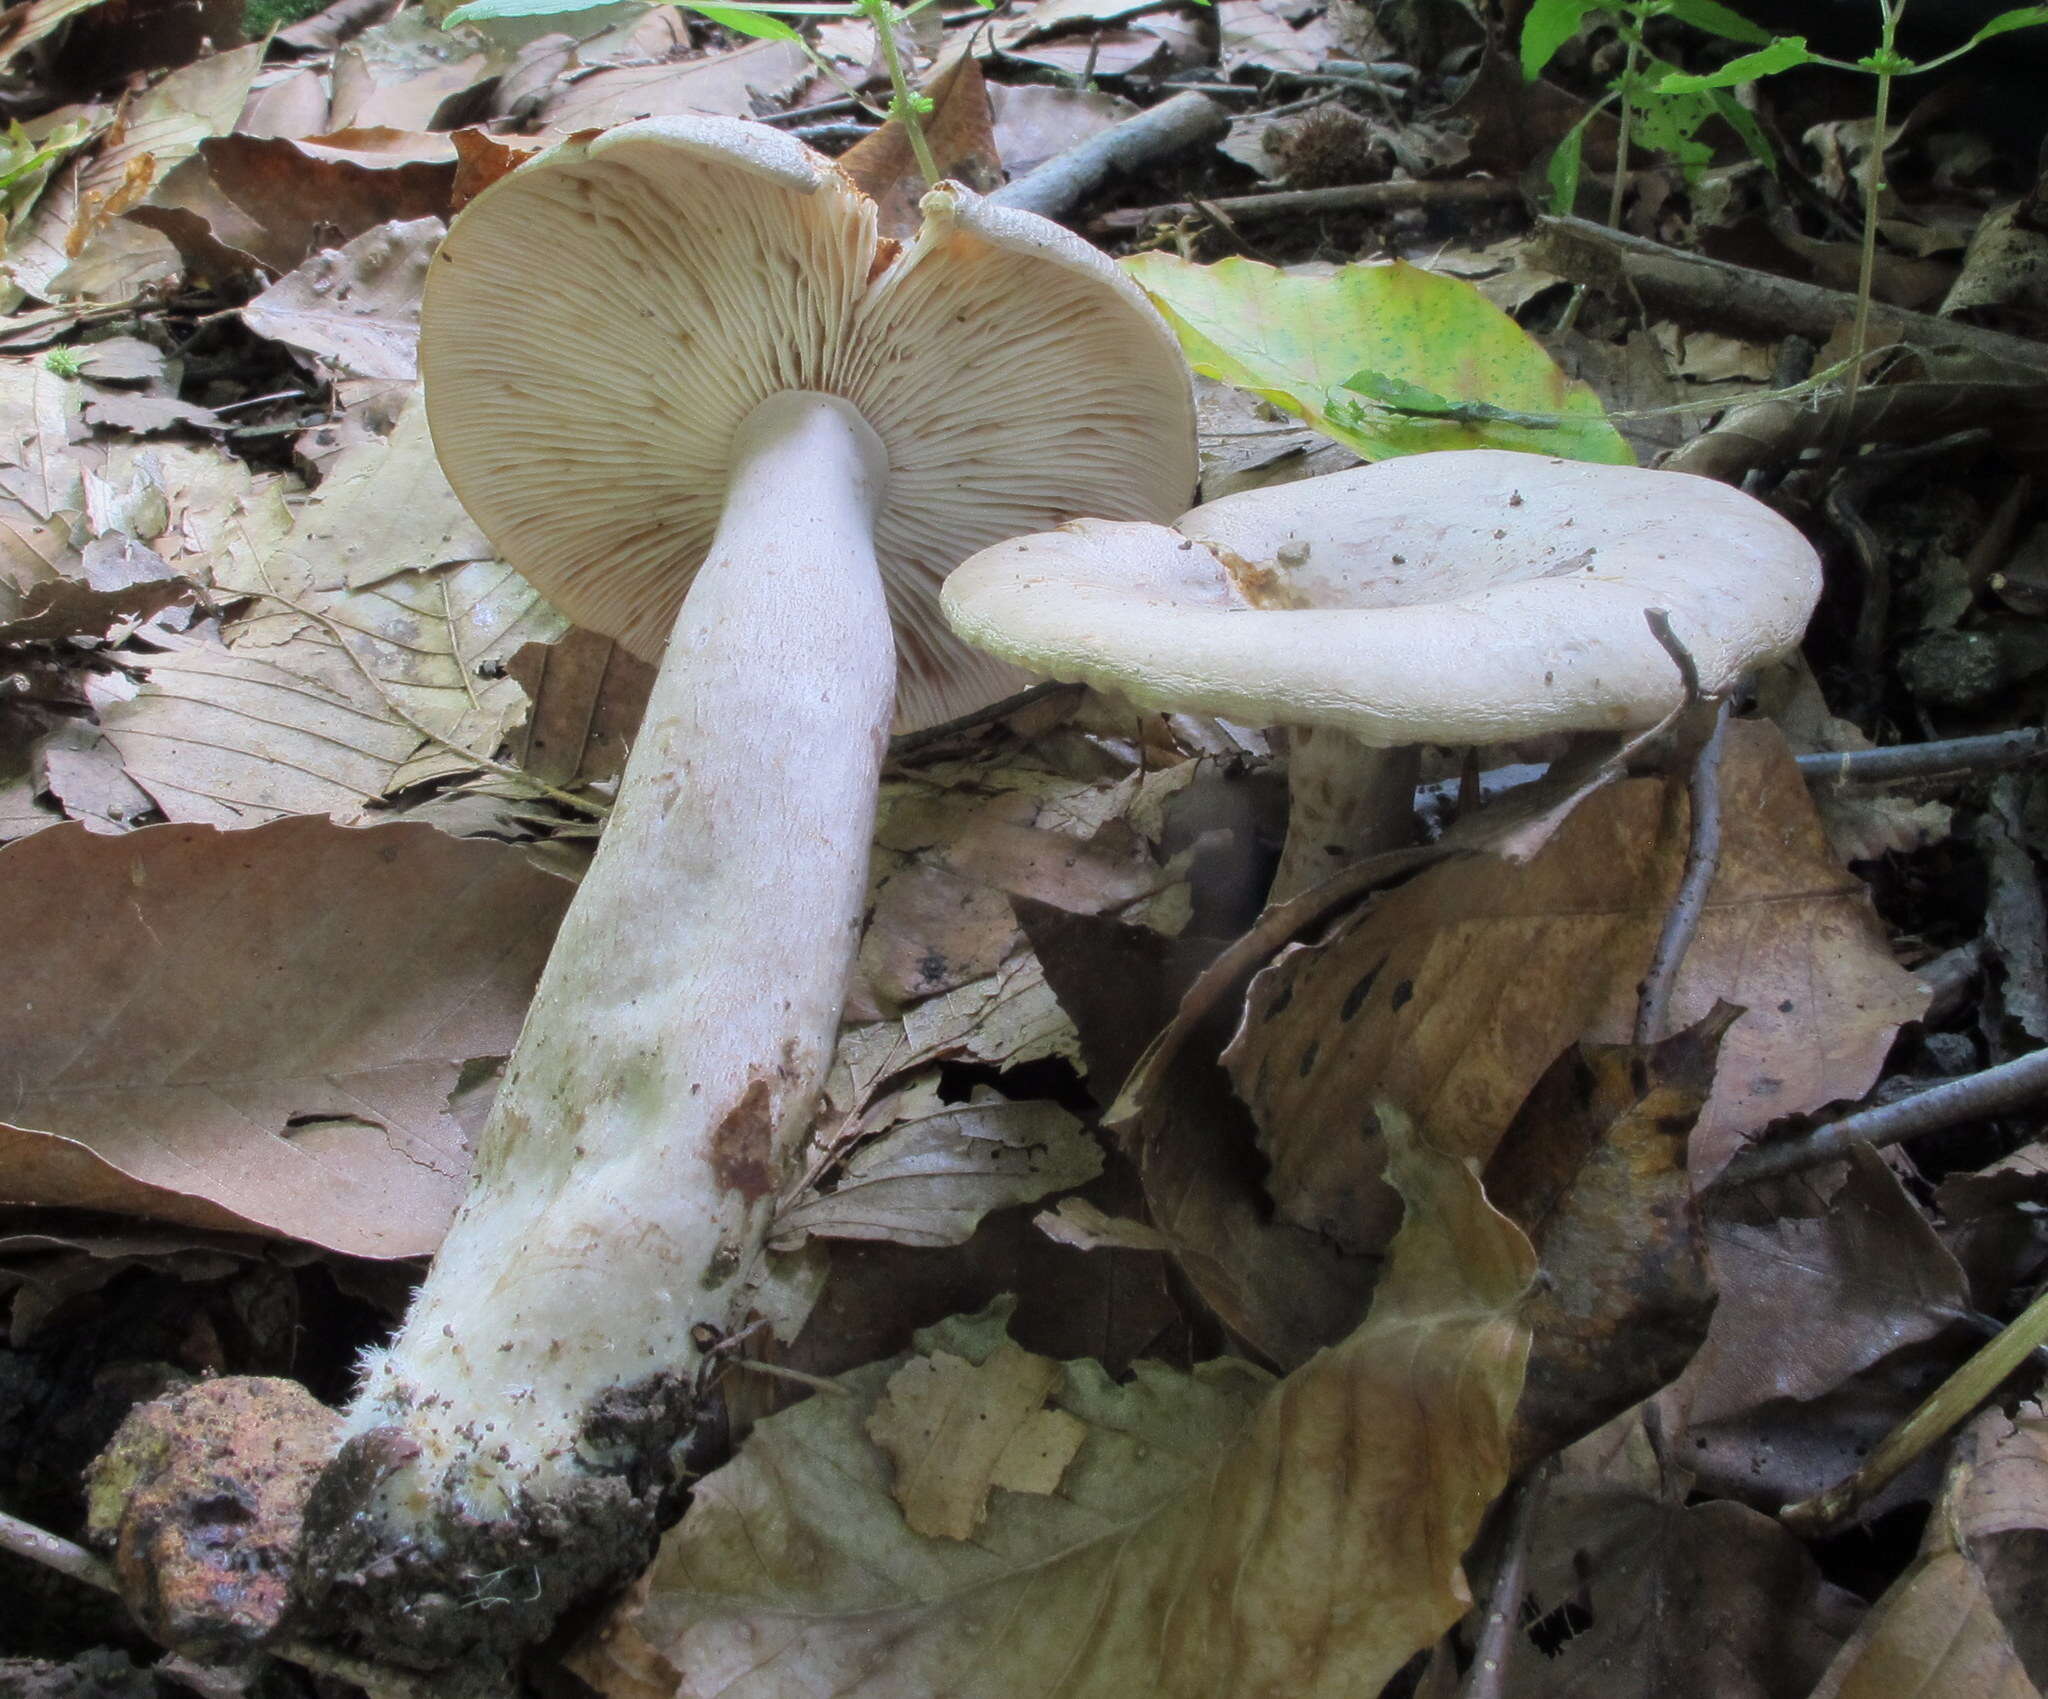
[1348, 197]
[25, 1539]
[1702, 848]
[1996, 752]
[1160, 132]
[1702, 862]
[1974, 1097]
[1504, 1597]
[1697, 290]
[817, 109]
[1942, 1410]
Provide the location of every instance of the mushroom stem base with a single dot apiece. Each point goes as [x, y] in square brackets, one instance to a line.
[513, 1446]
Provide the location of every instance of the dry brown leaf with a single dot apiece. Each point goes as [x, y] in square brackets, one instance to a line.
[71, 244]
[959, 132]
[1208, 1537]
[940, 1167]
[1934, 1635]
[1451, 995]
[1635, 1599]
[721, 84]
[1034, 121]
[1079, 1223]
[280, 201]
[259, 1030]
[955, 1431]
[357, 306]
[1808, 1301]
[586, 694]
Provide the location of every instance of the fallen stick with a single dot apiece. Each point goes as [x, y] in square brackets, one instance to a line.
[1694, 289]
[1974, 1097]
[1347, 197]
[1160, 132]
[1954, 757]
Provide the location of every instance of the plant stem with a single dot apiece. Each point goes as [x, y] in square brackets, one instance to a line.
[903, 99]
[1628, 112]
[1873, 186]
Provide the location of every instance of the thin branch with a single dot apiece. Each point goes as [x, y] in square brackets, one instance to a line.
[1702, 862]
[1959, 757]
[1504, 1597]
[25, 1539]
[1974, 1097]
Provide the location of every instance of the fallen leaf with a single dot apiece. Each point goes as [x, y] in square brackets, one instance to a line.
[1452, 994]
[1809, 1300]
[357, 306]
[71, 244]
[259, 1031]
[955, 1431]
[1629, 1598]
[1079, 1223]
[722, 84]
[941, 1167]
[958, 133]
[1261, 35]
[1593, 1169]
[1297, 341]
[1035, 121]
[1304, 1536]
[1934, 1635]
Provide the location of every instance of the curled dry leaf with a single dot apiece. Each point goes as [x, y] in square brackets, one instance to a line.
[941, 1167]
[1215, 1532]
[259, 1031]
[1452, 994]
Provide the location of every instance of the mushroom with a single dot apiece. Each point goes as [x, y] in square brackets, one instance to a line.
[678, 357]
[1463, 597]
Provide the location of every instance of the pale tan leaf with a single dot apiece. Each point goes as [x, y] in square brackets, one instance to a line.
[358, 305]
[954, 1431]
[234, 740]
[1078, 1223]
[258, 1030]
[1207, 1538]
[1934, 1635]
[155, 131]
[942, 1166]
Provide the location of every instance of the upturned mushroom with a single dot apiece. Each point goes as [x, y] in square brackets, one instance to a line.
[679, 358]
[1465, 598]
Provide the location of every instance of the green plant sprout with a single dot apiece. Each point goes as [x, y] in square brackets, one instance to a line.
[1677, 103]
[766, 20]
[64, 362]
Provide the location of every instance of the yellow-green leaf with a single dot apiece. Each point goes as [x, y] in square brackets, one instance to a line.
[1297, 340]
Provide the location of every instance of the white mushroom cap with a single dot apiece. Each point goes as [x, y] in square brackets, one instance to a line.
[599, 322]
[1466, 597]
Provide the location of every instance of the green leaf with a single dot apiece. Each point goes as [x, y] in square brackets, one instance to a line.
[1743, 122]
[744, 22]
[2025, 17]
[1296, 340]
[481, 11]
[1716, 19]
[1784, 52]
[1549, 25]
[1563, 169]
[1670, 123]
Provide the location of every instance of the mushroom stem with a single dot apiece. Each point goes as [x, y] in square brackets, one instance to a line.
[670, 1061]
[1345, 802]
